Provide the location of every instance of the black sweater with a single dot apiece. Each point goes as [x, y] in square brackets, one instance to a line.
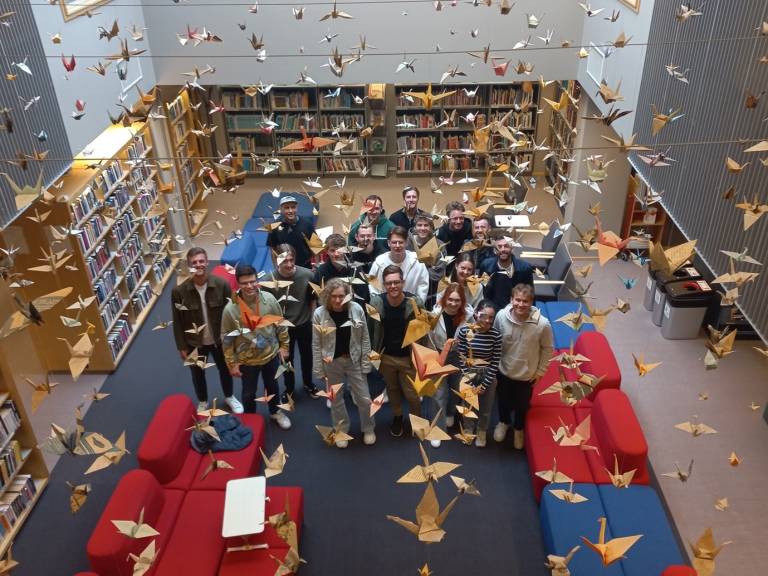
[296, 235]
[454, 240]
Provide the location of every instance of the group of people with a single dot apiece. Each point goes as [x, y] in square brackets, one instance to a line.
[352, 312]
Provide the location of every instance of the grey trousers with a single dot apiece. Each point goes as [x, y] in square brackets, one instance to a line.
[486, 406]
[343, 370]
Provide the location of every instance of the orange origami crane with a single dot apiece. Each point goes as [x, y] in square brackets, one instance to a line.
[307, 143]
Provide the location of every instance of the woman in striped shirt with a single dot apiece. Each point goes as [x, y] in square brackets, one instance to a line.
[481, 341]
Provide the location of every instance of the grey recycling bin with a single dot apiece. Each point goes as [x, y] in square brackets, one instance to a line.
[659, 292]
[685, 306]
[650, 289]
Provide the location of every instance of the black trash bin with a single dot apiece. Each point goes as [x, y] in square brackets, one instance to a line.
[685, 307]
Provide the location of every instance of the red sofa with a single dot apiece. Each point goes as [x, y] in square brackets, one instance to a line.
[185, 510]
[614, 431]
[165, 450]
[602, 362]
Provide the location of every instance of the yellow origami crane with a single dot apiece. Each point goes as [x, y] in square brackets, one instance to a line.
[428, 472]
[612, 550]
[429, 518]
[704, 553]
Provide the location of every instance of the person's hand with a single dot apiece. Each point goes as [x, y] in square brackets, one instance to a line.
[284, 354]
[235, 371]
[183, 354]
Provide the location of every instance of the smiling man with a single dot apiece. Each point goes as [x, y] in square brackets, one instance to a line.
[505, 271]
[406, 216]
[373, 213]
[415, 275]
[293, 230]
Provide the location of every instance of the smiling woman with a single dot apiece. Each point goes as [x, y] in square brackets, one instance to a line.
[74, 8]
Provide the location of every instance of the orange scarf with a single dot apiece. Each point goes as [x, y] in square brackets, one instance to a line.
[248, 319]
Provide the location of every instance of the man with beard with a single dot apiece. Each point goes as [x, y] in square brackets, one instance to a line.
[457, 230]
[505, 272]
[406, 216]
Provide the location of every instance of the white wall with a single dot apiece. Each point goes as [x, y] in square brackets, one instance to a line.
[100, 93]
[384, 27]
[625, 64]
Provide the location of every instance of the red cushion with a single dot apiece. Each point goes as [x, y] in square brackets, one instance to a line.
[251, 562]
[221, 272]
[165, 449]
[246, 461]
[602, 362]
[616, 431]
[551, 376]
[679, 571]
[542, 450]
[277, 496]
[196, 545]
[107, 549]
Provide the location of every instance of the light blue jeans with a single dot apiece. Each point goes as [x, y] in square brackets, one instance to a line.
[343, 370]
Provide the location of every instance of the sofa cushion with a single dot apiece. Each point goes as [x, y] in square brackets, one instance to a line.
[550, 377]
[637, 510]
[250, 562]
[165, 450]
[602, 362]
[221, 272]
[616, 431]
[238, 251]
[245, 461]
[195, 546]
[562, 334]
[542, 450]
[679, 571]
[563, 524]
[107, 548]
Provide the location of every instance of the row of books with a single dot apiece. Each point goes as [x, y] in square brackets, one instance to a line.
[160, 266]
[462, 163]
[15, 501]
[156, 238]
[297, 164]
[295, 122]
[9, 420]
[505, 96]
[350, 121]
[96, 261]
[246, 122]
[405, 143]
[187, 171]
[414, 164]
[90, 231]
[120, 199]
[104, 286]
[337, 164]
[289, 99]
[180, 129]
[250, 144]
[123, 227]
[421, 121]
[137, 148]
[141, 298]
[118, 336]
[140, 173]
[235, 100]
[147, 197]
[457, 142]
[10, 459]
[110, 175]
[190, 192]
[175, 109]
[134, 274]
[83, 204]
[129, 251]
[345, 99]
[150, 225]
[111, 309]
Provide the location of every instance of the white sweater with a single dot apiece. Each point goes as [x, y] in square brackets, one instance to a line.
[415, 275]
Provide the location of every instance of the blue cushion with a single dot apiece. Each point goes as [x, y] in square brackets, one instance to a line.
[563, 525]
[563, 334]
[637, 510]
[262, 261]
[542, 306]
[253, 225]
[241, 250]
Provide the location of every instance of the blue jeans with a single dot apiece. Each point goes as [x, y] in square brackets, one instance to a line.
[251, 384]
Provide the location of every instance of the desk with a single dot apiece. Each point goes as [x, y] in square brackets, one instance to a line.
[244, 506]
[513, 221]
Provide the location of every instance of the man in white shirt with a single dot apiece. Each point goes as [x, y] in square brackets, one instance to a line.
[415, 274]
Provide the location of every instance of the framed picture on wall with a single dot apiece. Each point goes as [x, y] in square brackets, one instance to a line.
[74, 8]
[634, 4]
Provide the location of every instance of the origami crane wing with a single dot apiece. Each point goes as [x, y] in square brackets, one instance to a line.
[419, 326]
[612, 550]
[135, 529]
[275, 463]
[429, 363]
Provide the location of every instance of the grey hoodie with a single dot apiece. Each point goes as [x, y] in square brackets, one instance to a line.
[526, 347]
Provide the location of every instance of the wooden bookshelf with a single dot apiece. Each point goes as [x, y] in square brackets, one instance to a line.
[117, 244]
[188, 150]
[315, 109]
[641, 211]
[562, 129]
[445, 148]
[17, 359]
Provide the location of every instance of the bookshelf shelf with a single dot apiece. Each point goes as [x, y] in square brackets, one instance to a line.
[562, 128]
[640, 214]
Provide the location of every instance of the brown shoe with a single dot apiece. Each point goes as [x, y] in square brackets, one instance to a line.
[519, 440]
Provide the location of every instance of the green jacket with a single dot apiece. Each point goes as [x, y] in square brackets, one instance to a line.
[187, 309]
[257, 347]
[383, 226]
[377, 302]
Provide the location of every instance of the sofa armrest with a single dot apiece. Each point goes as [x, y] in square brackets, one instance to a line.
[165, 445]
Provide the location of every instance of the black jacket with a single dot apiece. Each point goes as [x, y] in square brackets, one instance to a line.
[499, 287]
[217, 296]
[400, 218]
[296, 235]
[454, 240]
[327, 270]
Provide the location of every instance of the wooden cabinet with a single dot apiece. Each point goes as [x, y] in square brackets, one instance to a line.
[642, 212]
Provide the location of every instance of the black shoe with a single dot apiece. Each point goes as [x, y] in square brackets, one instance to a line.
[396, 428]
[312, 392]
[284, 398]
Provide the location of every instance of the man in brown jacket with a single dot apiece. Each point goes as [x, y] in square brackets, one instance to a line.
[198, 304]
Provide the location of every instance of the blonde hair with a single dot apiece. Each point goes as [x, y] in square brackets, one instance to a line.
[332, 285]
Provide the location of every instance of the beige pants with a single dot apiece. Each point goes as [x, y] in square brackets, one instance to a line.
[395, 370]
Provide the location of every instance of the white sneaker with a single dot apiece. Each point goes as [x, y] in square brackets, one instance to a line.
[435, 443]
[369, 438]
[342, 443]
[449, 421]
[500, 432]
[480, 441]
[234, 404]
[202, 406]
[281, 419]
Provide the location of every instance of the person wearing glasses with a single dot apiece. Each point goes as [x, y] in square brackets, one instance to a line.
[415, 275]
[406, 216]
[252, 348]
[340, 354]
[199, 301]
[481, 341]
[395, 308]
